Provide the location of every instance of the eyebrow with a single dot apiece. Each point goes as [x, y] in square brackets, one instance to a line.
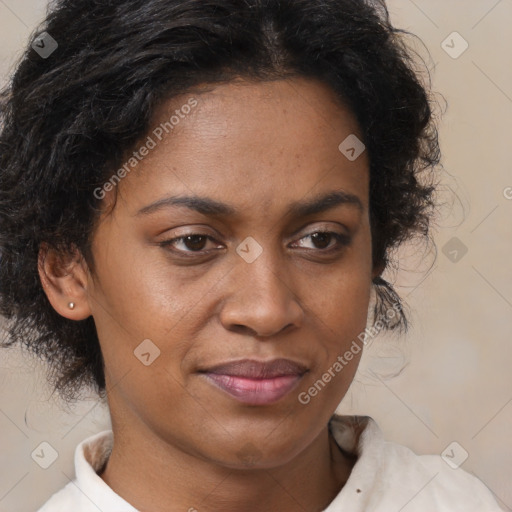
[211, 207]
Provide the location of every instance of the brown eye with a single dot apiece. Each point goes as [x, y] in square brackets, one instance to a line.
[193, 243]
[322, 240]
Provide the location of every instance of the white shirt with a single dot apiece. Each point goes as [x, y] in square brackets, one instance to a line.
[386, 477]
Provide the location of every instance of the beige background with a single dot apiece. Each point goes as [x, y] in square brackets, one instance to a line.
[456, 382]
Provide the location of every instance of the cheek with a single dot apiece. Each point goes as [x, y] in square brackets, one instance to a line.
[139, 291]
[339, 296]
[339, 307]
[145, 306]
[348, 313]
[341, 322]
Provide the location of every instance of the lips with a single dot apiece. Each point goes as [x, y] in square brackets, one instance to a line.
[252, 369]
[256, 382]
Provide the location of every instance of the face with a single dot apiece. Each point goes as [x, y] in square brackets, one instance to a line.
[257, 267]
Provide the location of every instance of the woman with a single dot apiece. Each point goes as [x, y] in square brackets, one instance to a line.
[197, 201]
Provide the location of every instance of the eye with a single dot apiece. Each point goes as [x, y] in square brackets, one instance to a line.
[192, 243]
[327, 241]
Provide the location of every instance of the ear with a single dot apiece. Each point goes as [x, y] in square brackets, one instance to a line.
[64, 277]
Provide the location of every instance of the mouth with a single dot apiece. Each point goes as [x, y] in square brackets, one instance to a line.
[254, 382]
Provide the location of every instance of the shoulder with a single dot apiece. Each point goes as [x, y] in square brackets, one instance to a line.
[388, 475]
[87, 492]
[429, 481]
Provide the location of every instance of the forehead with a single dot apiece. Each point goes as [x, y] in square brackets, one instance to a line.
[261, 144]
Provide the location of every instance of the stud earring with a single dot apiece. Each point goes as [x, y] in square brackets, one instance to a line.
[71, 305]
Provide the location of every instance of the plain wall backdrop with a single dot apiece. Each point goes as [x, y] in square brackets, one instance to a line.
[449, 379]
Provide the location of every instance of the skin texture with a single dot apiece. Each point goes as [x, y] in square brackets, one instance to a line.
[179, 440]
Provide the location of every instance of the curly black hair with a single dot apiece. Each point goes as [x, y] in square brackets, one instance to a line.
[68, 119]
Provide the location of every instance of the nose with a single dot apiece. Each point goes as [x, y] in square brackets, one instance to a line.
[261, 301]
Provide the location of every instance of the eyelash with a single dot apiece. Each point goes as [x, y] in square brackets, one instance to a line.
[341, 239]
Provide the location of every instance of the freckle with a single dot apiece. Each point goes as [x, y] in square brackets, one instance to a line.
[358, 490]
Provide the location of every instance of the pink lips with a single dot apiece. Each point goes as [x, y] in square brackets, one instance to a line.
[254, 382]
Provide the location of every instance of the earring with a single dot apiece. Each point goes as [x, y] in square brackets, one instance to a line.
[71, 305]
